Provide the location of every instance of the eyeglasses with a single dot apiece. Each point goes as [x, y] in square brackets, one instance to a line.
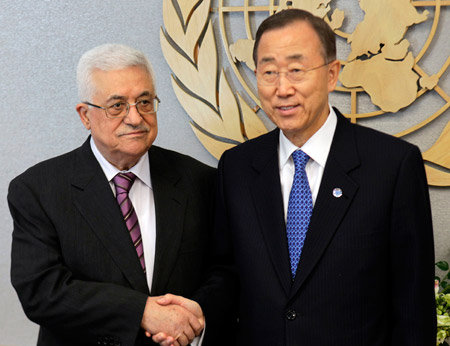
[270, 77]
[120, 109]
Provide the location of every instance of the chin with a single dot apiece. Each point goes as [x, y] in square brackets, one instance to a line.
[289, 126]
[137, 150]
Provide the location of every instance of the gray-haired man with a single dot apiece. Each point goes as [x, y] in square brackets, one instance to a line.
[102, 231]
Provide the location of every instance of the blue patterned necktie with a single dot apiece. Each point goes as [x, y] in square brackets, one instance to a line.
[299, 210]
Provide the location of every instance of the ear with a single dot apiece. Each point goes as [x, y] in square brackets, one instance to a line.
[82, 110]
[333, 74]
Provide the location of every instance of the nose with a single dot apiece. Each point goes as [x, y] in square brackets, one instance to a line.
[133, 117]
[284, 86]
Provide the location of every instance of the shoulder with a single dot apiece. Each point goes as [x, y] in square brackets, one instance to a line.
[373, 141]
[50, 168]
[369, 141]
[264, 145]
[172, 160]
[377, 155]
[44, 181]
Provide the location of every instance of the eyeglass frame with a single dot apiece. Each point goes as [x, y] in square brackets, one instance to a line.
[109, 116]
[287, 74]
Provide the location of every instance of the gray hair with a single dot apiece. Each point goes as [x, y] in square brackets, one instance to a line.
[108, 57]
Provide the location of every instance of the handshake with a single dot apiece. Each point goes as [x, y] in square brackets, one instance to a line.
[172, 320]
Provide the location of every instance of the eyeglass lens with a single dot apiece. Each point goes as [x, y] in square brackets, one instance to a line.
[121, 108]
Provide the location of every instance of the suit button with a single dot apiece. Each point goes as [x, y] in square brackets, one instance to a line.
[291, 315]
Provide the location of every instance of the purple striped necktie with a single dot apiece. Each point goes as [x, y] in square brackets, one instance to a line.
[123, 183]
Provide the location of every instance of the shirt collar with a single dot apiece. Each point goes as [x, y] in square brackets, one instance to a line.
[141, 169]
[317, 147]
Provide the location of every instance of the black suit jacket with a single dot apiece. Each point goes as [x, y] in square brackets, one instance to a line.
[367, 267]
[74, 266]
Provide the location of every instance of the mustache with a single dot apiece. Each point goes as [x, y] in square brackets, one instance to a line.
[130, 129]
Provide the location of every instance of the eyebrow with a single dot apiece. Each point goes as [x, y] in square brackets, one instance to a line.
[266, 60]
[145, 93]
[115, 97]
[120, 97]
[298, 57]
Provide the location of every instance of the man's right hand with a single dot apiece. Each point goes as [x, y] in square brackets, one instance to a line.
[172, 320]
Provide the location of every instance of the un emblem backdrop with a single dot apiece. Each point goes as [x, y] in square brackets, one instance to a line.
[385, 81]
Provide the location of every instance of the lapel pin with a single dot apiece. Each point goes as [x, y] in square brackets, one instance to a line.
[337, 192]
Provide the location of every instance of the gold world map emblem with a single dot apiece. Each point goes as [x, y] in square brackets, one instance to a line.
[380, 66]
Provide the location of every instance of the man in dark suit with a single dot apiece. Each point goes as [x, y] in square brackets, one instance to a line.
[87, 270]
[346, 259]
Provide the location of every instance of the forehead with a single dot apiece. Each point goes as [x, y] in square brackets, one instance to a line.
[126, 82]
[294, 42]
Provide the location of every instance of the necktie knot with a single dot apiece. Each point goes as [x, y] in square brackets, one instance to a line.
[123, 182]
[300, 159]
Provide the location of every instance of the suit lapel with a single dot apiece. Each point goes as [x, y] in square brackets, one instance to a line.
[170, 203]
[341, 160]
[93, 197]
[267, 197]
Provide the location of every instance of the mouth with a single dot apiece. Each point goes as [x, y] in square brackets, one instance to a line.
[286, 109]
[134, 133]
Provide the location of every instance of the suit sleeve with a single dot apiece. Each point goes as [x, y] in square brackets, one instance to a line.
[412, 256]
[48, 291]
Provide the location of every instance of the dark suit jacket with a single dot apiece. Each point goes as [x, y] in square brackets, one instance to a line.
[366, 272]
[74, 266]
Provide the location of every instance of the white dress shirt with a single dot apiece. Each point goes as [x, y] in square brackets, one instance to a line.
[317, 148]
[141, 196]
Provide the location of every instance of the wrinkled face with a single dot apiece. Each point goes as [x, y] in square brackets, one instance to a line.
[121, 141]
[298, 109]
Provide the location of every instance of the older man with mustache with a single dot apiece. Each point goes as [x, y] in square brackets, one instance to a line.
[101, 232]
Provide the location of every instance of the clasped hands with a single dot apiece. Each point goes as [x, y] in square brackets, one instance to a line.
[172, 320]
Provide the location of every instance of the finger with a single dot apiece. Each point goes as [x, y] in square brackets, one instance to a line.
[183, 340]
[168, 342]
[166, 299]
[195, 324]
[190, 334]
[178, 300]
[162, 337]
[147, 334]
[202, 322]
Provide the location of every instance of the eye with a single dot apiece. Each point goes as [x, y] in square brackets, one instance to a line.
[296, 74]
[145, 102]
[116, 108]
[145, 105]
[295, 71]
[270, 73]
[117, 105]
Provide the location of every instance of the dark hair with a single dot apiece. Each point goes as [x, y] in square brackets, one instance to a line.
[286, 17]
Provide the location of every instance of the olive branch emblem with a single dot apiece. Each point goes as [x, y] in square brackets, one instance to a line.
[220, 118]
